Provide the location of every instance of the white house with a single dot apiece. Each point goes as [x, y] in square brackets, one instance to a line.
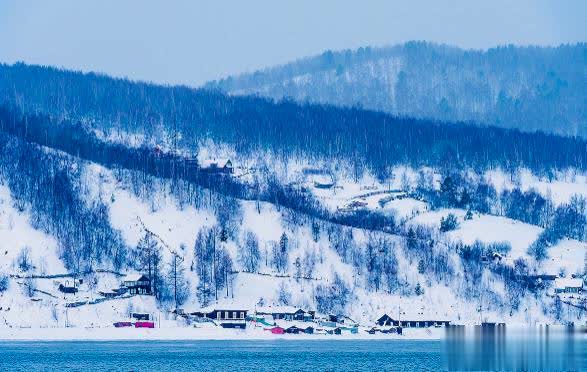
[568, 285]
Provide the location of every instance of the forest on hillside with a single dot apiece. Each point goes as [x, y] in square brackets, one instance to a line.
[528, 88]
[180, 117]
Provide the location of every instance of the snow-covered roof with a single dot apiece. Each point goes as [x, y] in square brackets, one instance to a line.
[133, 277]
[277, 309]
[220, 163]
[322, 179]
[568, 283]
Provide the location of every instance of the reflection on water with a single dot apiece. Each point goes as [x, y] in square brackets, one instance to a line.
[492, 348]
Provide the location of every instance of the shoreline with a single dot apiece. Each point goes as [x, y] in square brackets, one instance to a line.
[191, 334]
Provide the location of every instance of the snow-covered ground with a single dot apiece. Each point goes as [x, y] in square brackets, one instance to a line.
[494, 229]
[177, 226]
[175, 332]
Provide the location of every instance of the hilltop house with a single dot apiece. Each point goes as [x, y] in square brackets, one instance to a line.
[137, 284]
[221, 166]
[568, 285]
[67, 288]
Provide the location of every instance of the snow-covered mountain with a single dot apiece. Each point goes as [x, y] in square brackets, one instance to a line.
[528, 88]
[109, 180]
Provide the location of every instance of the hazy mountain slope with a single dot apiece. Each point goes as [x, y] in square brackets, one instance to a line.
[529, 88]
[180, 118]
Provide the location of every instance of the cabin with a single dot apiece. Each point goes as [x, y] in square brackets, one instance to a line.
[141, 316]
[494, 257]
[113, 293]
[293, 330]
[144, 325]
[66, 288]
[220, 166]
[568, 285]
[327, 323]
[228, 318]
[386, 320]
[137, 284]
[309, 330]
[322, 181]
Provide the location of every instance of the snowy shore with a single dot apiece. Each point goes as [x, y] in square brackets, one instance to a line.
[186, 334]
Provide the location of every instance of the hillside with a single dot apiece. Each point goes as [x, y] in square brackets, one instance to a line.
[528, 88]
[104, 179]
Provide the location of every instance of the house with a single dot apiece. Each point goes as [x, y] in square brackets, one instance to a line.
[286, 313]
[223, 314]
[309, 330]
[113, 293]
[568, 285]
[327, 323]
[141, 316]
[220, 166]
[67, 288]
[228, 318]
[137, 284]
[386, 320]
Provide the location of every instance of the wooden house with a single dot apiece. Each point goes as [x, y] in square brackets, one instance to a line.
[222, 314]
[137, 284]
[386, 320]
[227, 318]
[220, 166]
[66, 288]
[141, 316]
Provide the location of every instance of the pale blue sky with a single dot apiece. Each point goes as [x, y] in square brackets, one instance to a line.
[191, 42]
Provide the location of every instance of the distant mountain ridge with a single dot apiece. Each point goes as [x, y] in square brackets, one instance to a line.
[528, 88]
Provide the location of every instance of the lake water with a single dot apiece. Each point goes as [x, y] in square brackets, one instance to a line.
[295, 355]
[283, 355]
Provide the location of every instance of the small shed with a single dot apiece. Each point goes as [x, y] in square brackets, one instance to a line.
[293, 330]
[277, 330]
